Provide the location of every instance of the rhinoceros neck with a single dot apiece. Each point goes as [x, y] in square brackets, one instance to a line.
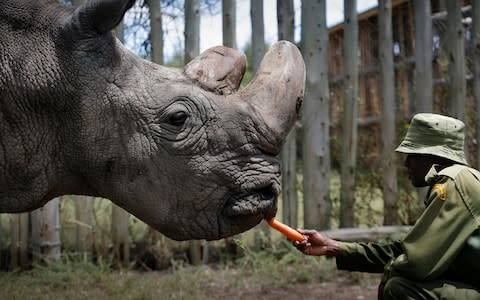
[33, 108]
[31, 126]
[28, 157]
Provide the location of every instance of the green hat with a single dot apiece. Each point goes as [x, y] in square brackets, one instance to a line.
[436, 135]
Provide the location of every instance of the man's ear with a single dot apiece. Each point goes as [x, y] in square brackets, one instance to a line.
[97, 17]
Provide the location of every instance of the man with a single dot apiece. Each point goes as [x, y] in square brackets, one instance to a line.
[439, 258]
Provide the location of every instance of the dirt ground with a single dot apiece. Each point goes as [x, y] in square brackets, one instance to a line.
[362, 287]
[190, 284]
[324, 290]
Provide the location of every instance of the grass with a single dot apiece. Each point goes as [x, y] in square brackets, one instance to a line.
[253, 273]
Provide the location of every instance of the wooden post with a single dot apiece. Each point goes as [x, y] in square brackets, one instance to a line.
[350, 115]
[19, 241]
[316, 116]
[120, 217]
[46, 244]
[229, 40]
[387, 118]
[228, 23]
[84, 208]
[423, 56]
[456, 62]
[84, 222]
[262, 232]
[192, 29]
[156, 33]
[120, 236]
[288, 156]
[192, 49]
[476, 69]
[258, 33]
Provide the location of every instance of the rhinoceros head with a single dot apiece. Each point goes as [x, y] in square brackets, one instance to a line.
[182, 149]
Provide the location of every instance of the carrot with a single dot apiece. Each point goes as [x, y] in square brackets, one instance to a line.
[289, 232]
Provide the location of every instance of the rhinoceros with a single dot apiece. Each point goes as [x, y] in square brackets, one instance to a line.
[184, 150]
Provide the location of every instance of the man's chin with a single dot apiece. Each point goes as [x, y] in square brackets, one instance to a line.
[419, 184]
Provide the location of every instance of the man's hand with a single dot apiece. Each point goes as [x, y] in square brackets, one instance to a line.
[316, 244]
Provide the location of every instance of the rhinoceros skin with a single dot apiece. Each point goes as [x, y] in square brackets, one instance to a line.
[184, 150]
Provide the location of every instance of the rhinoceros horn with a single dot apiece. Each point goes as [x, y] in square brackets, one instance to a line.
[218, 69]
[275, 93]
[277, 90]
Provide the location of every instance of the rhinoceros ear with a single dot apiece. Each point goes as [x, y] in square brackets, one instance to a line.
[218, 69]
[97, 17]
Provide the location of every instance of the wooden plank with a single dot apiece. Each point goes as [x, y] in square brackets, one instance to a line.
[365, 15]
[365, 234]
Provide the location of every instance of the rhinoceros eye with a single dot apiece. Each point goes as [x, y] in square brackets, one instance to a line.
[177, 118]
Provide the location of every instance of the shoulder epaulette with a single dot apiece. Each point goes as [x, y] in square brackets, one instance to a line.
[454, 170]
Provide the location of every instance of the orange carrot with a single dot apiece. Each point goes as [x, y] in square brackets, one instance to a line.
[291, 233]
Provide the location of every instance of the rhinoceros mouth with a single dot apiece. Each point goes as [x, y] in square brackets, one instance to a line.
[260, 202]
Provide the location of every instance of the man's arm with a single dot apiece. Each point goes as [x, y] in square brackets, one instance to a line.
[364, 257]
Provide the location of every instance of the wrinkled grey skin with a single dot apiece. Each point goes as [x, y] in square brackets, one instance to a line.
[181, 149]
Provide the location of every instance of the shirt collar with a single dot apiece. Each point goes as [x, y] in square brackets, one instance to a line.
[432, 174]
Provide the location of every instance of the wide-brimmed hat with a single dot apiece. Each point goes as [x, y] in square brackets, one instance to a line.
[436, 135]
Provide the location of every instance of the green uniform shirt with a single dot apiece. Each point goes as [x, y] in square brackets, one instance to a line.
[443, 244]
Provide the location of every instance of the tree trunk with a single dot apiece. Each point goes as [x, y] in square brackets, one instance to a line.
[387, 89]
[46, 243]
[19, 238]
[156, 33]
[316, 117]
[350, 115]
[476, 69]
[423, 56]
[228, 23]
[288, 156]
[456, 63]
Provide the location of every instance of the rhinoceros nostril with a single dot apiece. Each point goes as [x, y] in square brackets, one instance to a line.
[259, 201]
[266, 193]
[298, 105]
